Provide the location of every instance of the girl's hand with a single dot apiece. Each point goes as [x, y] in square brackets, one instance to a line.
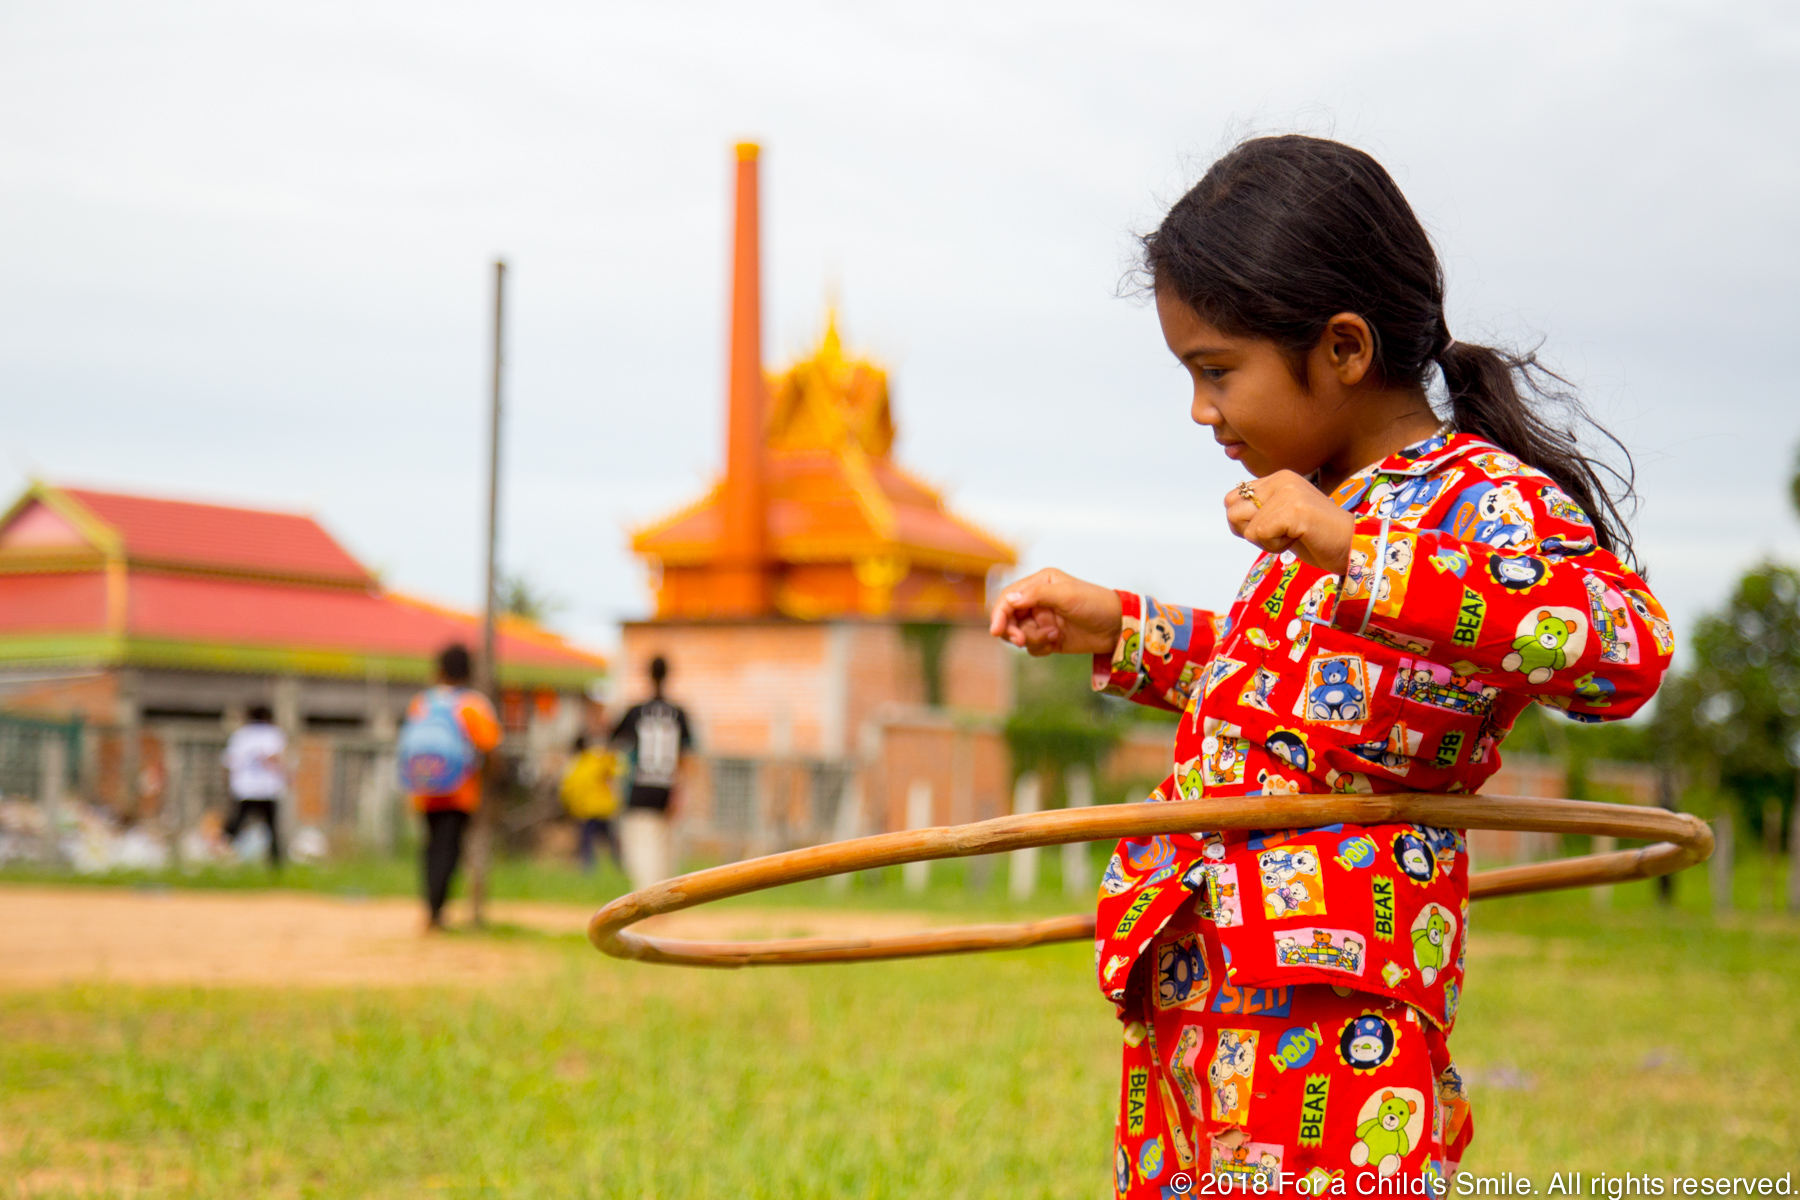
[1054, 613]
[1294, 515]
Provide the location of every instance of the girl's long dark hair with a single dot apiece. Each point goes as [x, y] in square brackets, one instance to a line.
[1285, 232]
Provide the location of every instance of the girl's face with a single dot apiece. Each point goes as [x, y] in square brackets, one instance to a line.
[1246, 394]
[1265, 418]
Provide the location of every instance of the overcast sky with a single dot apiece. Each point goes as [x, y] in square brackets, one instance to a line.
[245, 252]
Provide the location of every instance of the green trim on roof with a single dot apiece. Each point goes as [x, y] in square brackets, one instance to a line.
[97, 649]
[60, 650]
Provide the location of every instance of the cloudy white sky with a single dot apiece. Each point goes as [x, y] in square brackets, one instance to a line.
[244, 252]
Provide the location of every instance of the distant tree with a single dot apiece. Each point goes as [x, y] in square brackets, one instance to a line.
[1060, 721]
[1736, 709]
[1794, 485]
[521, 597]
[929, 639]
[1550, 733]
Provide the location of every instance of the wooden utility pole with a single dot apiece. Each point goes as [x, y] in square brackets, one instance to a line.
[481, 847]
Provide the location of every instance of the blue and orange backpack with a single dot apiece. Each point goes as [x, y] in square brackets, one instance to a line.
[435, 754]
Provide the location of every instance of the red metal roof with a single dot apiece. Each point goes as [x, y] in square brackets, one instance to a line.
[217, 537]
[61, 603]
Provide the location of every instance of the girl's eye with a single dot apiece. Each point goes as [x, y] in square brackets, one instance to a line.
[1212, 374]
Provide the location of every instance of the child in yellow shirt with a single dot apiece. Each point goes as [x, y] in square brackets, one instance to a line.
[590, 795]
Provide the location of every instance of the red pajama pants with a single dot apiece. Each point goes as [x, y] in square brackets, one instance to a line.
[1275, 1084]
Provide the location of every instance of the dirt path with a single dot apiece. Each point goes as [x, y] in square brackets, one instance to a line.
[65, 935]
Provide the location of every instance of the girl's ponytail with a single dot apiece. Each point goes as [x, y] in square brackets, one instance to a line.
[1284, 232]
[1485, 400]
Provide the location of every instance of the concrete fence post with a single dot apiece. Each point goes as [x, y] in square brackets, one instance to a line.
[1793, 880]
[1718, 867]
[375, 808]
[1077, 868]
[1668, 795]
[175, 816]
[285, 700]
[53, 773]
[384, 807]
[129, 717]
[918, 816]
[762, 806]
[847, 825]
[1027, 798]
[1602, 895]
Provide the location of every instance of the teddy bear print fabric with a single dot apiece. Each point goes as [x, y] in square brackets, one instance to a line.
[1475, 587]
[1309, 1082]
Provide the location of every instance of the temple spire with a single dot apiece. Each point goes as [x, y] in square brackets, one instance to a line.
[813, 521]
[743, 532]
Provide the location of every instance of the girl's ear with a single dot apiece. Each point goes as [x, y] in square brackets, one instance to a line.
[1348, 346]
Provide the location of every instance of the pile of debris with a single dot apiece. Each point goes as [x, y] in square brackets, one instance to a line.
[90, 840]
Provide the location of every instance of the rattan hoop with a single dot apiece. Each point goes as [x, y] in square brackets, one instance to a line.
[1678, 840]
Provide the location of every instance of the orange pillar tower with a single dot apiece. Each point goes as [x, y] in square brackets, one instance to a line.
[742, 584]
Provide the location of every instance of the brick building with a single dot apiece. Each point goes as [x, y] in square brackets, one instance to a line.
[156, 623]
[822, 610]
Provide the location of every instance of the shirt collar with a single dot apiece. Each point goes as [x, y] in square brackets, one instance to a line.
[1420, 458]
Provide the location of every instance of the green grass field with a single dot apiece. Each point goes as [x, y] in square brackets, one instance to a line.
[1630, 1040]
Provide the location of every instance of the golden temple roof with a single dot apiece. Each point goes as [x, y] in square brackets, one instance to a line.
[832, 494]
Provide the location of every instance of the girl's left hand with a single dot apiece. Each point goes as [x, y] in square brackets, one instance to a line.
[1293, 515]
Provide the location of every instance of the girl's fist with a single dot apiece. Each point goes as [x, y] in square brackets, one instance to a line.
[1288, 513]
[1054, 613]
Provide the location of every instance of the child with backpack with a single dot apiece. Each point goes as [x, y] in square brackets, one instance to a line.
[1287, 995]
[448, 730]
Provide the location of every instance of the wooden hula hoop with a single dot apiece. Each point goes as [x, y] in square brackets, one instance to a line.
[1679, 840]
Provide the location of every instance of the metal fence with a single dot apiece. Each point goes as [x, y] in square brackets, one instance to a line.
[22, 754]
[734, 800]
[164, 778]
[739, 805]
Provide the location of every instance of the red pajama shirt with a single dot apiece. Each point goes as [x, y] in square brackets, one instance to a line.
[1287, 994]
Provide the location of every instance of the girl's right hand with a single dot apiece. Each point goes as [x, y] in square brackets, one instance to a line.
[1054, 613]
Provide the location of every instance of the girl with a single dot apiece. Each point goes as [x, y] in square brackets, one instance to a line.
[1287, 994]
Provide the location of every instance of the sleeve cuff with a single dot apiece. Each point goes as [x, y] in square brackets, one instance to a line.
[1122, 672]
